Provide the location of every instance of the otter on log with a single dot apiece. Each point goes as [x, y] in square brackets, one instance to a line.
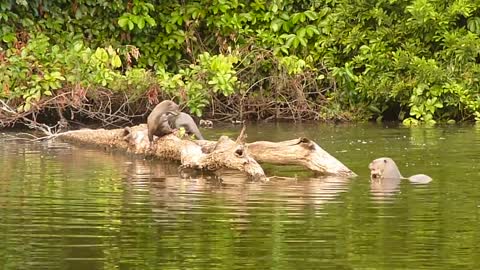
[157, 121]
[385, 168]
[186, 121]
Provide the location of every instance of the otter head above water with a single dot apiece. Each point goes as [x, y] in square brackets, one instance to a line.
[384, 168]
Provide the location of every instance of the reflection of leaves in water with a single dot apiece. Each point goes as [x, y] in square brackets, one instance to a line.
[423, 136]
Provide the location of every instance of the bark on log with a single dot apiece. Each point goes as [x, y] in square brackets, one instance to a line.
[227, 154]
[210, 155]
[301, 151]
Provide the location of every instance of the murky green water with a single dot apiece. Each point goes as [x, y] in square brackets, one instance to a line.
[65, 207]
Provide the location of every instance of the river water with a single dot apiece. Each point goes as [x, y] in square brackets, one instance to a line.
[65, 206]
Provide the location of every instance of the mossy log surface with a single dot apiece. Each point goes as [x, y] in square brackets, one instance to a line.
[214, 155]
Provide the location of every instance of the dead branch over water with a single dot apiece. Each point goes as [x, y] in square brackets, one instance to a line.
[73, 105]
[278, 96]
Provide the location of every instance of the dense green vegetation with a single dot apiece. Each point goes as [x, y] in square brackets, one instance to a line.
[346, 60]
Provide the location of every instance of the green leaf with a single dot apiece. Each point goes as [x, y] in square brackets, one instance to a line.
[150, 6]
[123, 21]
[52, 85]
[313, 29]
[101, 54]
[37, 95]
[295, 42]
[9, 37]
[301, 32]
[285, 16]
[295, 18]
[303, 41]
[27, 107]
[57, 75]
[150, 21]
[274, 8]
[135, 19]
[141, 23]
[374, 109]
[473, 25]
[312, 15]
[116, 62]
[77, 47]
[276, 24]
[302, 17]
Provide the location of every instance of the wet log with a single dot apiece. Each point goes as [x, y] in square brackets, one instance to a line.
[211, 155]
[227, 154]
[301, 151]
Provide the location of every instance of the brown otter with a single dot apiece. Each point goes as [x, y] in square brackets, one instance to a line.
[157, 121]
[385, 168]
[186, 121]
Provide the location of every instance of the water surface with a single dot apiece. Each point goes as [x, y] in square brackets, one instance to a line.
[68, 207]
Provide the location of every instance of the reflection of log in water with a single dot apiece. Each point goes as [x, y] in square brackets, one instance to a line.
[233, 195]
[156, 187]
[175, 195]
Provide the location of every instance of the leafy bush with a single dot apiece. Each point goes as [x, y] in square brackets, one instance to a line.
[296, 59]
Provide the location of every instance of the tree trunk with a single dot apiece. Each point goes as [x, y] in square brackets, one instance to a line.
[210, 155]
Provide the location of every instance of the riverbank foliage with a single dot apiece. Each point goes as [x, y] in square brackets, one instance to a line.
[416, 61]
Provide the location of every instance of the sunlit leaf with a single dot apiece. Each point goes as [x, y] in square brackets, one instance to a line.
[150, 21]
[116, 62]
[141, 23]
[123, 21]
[276, 24]
[274, 8]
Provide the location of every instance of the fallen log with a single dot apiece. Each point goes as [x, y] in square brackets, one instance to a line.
[211, 155]
[301, 151]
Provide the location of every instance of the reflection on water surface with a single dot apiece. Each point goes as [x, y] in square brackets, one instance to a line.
[68, 207]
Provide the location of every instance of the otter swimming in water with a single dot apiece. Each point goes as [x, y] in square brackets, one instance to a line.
[157, 121]
[385, 168]
[186, 121]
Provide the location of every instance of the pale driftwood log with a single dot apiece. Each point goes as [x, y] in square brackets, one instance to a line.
[301, 151]
[210, 155]
[227, 153]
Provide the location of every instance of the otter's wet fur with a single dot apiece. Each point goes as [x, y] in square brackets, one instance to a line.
[186, 121]
[386, 168]
[157, 120]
